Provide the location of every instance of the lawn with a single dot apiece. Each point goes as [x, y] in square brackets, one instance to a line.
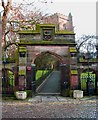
[39, 73]
[11, 79]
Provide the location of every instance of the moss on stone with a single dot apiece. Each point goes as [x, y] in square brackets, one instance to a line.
[22, 49]
[74, 72]
[72, 49]
[46, 42]
[28, 32]
[64, 32]
[38, 26]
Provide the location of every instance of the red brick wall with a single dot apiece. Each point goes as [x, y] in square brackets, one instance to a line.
[74, 82]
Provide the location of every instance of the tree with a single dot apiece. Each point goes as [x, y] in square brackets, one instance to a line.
[19, 15]
[7, 8]
[86, 44]
[84, 40]
[46, 61]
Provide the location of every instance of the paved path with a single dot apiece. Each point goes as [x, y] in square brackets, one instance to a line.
[53, 83]
[66, 108]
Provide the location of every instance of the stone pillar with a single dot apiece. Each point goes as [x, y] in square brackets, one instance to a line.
[65, 79]
[74, 81]
[30, 78]
[22, 67]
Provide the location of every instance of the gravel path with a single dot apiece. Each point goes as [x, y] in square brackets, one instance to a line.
[71, 109]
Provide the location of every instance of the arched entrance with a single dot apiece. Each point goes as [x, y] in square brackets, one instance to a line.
[87, 76]
[48, 74]
[62, 46]
[49, 59]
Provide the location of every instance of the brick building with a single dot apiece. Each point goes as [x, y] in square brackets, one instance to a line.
[63, 22]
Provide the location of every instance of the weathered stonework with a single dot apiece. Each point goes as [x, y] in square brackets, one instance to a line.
[34, 51]
[61, 44]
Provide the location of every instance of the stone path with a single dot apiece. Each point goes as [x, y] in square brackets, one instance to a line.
[51, 107]
[50, 98]
[53, 84]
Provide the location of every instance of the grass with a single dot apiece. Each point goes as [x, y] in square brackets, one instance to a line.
[39, 73]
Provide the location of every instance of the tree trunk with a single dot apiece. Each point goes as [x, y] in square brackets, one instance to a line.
[4, 19]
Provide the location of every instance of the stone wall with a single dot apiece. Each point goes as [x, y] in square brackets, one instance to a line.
[34, 51]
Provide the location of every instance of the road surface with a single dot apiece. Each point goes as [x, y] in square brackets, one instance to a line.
[53, 84]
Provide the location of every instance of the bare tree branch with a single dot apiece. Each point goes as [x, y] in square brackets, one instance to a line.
[3, 5]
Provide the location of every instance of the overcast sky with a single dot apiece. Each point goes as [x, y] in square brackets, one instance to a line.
[84, 15]
[83, 12]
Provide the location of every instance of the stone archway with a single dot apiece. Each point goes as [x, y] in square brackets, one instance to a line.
[62, 45]
[62, 52]
[60, 58]
[52, 78]
[28, 54]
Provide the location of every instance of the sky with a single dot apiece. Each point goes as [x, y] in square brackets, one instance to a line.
[83, 12]
[84, 15]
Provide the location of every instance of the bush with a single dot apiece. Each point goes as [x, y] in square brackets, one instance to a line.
[29, 93]
[65, 93]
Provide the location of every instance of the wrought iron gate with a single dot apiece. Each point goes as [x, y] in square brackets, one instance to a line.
[85, 76]
[7, 82]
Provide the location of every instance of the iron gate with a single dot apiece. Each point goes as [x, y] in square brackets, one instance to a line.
[7, 82]
[84, 79]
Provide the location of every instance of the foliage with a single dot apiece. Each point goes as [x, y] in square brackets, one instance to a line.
[46, 61]
[40, 73]
[86, 43]
[74, 72]
[42, 77]
[65, 93]
[29, 93]
[7, 8]
[18, 16]
[84, 77]
[12, 56]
